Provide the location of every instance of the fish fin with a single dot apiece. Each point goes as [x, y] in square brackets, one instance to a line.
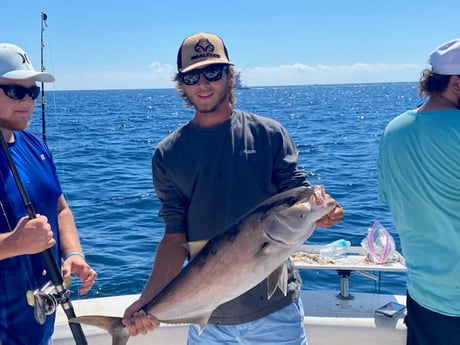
[195, 247]
[278, 279]
[202, 323]
[111, 324]
[262, 250]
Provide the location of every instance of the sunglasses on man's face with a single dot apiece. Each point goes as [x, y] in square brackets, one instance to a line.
[19, 92]
[211, 73]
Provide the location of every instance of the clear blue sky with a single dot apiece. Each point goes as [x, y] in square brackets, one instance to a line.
[113, 44]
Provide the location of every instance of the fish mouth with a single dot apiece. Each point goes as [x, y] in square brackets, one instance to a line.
[317, 199]
[313, 198]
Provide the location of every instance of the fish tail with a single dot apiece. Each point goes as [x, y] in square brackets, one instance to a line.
[111, 324]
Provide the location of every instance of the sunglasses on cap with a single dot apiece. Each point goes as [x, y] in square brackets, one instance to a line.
[19, 92]
[211, 73]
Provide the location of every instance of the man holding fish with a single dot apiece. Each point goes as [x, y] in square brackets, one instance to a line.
[233, 202]
[209, 173]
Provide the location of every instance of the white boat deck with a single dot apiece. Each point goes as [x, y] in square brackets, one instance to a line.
[331, 317]
[328, 320]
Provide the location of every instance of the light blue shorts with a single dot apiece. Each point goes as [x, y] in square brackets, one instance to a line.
[284, 326]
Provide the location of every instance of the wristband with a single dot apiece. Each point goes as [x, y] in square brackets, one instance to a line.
[68, 255]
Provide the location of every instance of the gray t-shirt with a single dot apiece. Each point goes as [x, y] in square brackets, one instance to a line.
[206, 178]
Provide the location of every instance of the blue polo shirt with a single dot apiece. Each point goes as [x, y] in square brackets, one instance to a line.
[26, 272]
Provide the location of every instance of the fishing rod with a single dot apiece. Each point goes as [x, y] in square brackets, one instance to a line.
[44, 17]
[63, 295]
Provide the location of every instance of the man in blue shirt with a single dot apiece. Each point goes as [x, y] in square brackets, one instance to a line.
[419, 178]
[22, 267]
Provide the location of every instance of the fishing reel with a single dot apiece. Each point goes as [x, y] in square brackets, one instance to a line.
[45, 300]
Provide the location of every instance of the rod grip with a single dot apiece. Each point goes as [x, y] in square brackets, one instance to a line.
[75, 328]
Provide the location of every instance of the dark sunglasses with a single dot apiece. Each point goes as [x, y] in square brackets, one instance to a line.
[211, 73]
[19, 92]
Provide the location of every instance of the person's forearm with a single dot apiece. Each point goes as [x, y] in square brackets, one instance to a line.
[69, 238]
[169, 259]
[7, 250]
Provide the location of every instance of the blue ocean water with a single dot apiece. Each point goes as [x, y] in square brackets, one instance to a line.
[102, 142]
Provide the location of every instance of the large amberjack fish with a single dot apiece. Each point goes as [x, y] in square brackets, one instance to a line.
[255, 247]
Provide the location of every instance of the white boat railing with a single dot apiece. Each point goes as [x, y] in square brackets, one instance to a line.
[330, 317]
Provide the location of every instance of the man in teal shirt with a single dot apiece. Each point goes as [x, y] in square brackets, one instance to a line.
[419, 178]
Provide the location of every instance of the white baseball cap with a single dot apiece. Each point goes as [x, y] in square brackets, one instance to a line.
[445, 59]
[15, 64]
